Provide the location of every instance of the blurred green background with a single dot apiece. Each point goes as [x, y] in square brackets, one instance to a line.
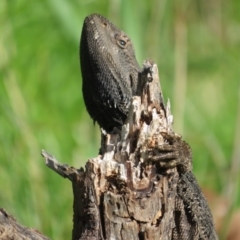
[196, 45]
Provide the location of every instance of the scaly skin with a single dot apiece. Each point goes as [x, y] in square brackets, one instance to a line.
[193, 218]
[109, 71]
[110, 75]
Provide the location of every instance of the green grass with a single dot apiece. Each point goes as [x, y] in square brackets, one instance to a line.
[196, 46]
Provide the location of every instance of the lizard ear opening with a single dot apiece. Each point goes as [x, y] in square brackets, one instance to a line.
[131, 80]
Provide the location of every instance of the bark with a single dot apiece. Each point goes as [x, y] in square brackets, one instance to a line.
[122, 193]
[11, 230]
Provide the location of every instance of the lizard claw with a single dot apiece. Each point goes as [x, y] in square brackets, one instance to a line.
[174, 153]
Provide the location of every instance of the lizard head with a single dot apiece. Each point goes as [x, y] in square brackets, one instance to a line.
[114, 46]
[109, 71]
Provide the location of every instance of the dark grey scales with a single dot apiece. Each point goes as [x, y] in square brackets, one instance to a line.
[193, 218]
[109, 71]
[110, 77]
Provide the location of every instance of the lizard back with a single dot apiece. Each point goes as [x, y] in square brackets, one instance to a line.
[109, 71]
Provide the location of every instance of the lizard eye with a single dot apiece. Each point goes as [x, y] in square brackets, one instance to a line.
[121, 40]
[122, 43]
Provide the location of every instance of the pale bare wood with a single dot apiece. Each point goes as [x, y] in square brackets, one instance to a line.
[120, 194]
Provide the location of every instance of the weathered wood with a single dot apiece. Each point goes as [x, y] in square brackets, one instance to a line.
[122, 194]
[11, 230]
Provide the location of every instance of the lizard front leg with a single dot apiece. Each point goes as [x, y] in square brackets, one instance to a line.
[193, 219]
[174, 153]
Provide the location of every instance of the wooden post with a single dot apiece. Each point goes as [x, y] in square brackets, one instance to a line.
[122, 194]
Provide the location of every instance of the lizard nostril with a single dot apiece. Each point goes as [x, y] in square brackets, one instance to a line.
[104, 24]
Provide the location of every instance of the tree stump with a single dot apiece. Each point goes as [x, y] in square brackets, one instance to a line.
[123, 193]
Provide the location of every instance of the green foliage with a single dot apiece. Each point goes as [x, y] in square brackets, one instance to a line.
[195, 44]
